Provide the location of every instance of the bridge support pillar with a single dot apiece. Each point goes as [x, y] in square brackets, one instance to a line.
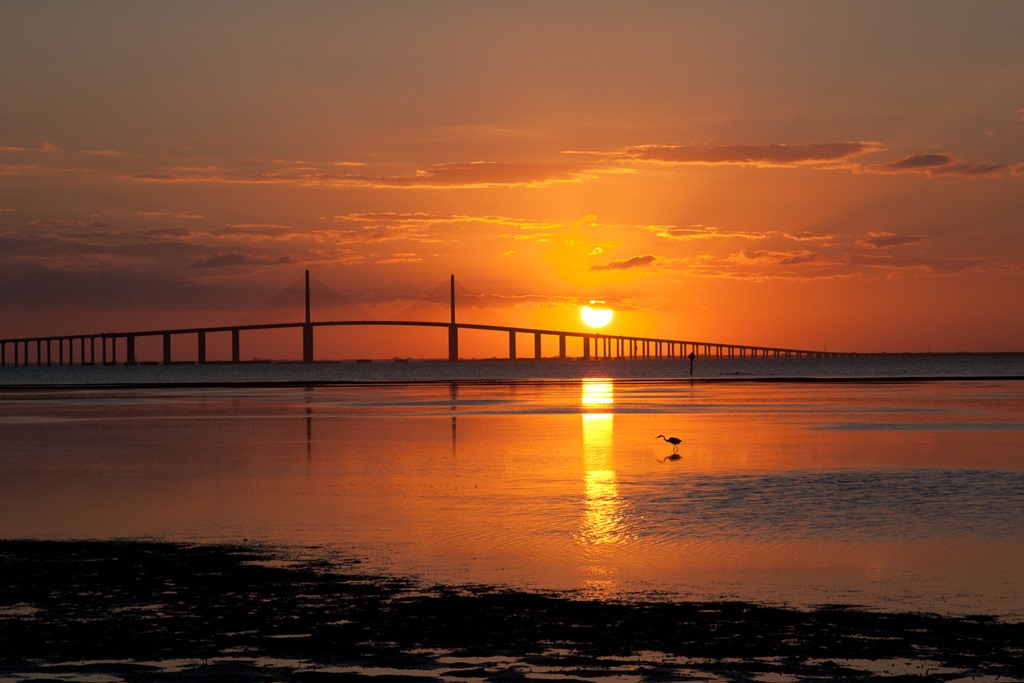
[236, 346]
[167, 349]
[307, 343]
[201, 347]
[130, 360]
[536, 346]
[561, 346]
[586, 348]
[453, 342]
[511, 344]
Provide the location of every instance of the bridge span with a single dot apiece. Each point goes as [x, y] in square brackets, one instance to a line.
[110, 348]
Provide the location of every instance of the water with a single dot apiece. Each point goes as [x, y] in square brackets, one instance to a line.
[884, 366]
[893, 493]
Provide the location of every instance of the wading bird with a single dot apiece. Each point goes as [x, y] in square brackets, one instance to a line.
[675, 441]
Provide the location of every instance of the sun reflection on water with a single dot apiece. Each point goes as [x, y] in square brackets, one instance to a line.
[602, 516]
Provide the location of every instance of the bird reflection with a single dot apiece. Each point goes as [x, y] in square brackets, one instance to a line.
[674, 456]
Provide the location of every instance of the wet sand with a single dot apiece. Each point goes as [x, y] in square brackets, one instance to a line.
[155, 611]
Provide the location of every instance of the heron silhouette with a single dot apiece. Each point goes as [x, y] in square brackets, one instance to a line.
[675, 441]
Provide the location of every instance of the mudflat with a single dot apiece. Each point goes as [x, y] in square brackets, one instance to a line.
[144, 611]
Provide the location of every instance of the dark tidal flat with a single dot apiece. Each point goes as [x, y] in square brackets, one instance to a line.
[156, 611]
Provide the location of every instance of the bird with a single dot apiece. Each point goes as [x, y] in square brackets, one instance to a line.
[675, 441]
[674, 456]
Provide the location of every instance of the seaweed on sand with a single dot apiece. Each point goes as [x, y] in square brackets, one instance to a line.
[137, 611]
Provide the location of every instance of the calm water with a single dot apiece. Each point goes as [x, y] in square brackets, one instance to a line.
[891, 493]
[895, 366]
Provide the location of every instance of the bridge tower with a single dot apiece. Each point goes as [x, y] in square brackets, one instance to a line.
[453, 330]
[307, 330]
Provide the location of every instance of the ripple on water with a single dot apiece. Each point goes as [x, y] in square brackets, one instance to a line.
[834, 505]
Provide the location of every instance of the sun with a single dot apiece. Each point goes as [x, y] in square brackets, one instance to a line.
[596, 314]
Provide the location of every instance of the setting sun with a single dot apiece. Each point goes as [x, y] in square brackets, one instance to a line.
[596, 314]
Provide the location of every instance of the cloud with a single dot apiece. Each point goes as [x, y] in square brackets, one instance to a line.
[400, 258]
[422, 219]
[106, 153]
[937, 164]
[634, 262]
[809, 236]
[489, 174]
[231, 258]
[69, 223]
[17, 169]
[701, 232]
[426, 227]
[169, 233]
[476, 174]
[777, 258]
[833, 155]
[44, 148]
[888, 240]
[750, 155]
[169, 214]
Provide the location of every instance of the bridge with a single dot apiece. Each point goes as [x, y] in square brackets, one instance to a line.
[110, 348]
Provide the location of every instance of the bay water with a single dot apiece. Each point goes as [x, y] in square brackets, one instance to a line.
[892, 483]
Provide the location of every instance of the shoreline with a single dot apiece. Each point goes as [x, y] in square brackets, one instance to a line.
[150, 610]
[723, 379]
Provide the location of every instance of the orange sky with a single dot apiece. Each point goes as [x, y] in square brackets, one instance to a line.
[841, 175]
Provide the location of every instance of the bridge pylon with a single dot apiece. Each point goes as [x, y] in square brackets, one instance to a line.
[307, 330]
[453, 329]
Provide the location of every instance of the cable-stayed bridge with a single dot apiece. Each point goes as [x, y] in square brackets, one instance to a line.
[109, 348]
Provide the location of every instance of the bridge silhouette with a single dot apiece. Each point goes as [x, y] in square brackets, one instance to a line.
[81, 349]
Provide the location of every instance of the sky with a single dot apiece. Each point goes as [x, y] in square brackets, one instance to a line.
[817, 175]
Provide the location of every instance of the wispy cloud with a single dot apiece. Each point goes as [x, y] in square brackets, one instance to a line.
[400, 258]
[888, 240]
[477, 174]
[627, 264]
[232, 258]
[170, 214]
[826, 156]
[702, 232]
[939, 165]
[750, 155]
[114, 153]
[17, 169]
[44, 148]
[419, 218]
[68, 224]
[773, 258]
[809, 236]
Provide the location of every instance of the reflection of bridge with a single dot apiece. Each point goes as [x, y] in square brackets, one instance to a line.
[82, 348]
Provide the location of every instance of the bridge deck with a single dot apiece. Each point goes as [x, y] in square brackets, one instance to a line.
[40, 350]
